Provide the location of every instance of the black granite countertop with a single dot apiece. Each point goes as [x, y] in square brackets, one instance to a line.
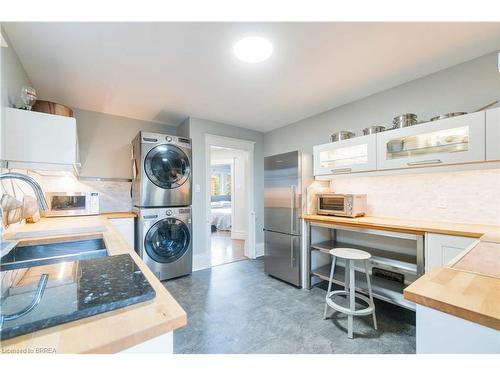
[74, 290]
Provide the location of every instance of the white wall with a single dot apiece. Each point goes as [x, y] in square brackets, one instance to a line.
[196, 130]
[471, 196]
[464, 87]
[104, 142]
[13, 76]
[238, 198]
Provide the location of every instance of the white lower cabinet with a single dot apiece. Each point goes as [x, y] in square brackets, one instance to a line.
[441, 333]
[440, 249]
[163, 344]
[126, 228]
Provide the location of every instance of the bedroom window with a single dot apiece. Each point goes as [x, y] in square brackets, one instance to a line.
[220, 180]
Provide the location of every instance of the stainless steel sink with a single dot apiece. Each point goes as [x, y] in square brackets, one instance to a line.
[54, 252]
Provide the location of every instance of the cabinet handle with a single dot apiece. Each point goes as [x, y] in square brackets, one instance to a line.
[425, 162]
[341, 170]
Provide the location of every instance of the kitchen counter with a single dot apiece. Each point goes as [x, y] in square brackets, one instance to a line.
[108, 332]
[490, 232]
[468, 287]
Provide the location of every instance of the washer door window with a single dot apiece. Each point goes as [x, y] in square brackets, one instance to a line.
[167, 166]
[167, 240]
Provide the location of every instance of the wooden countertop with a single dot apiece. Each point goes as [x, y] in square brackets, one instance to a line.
[468, 287]
[112, 331]
[491, 232]
[119, 215]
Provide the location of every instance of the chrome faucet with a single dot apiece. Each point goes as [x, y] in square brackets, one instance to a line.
[37, 189]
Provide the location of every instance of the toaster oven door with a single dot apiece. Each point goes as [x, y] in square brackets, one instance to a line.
[332, 204]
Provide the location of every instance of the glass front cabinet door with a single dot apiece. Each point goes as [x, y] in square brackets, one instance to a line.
[450, 141]
[351, 155]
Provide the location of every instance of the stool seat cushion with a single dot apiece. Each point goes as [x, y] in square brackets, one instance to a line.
[348, 253]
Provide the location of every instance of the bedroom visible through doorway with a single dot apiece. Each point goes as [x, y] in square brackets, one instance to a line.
[228, 211]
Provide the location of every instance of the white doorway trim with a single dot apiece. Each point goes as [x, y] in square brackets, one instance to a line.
[238, 144]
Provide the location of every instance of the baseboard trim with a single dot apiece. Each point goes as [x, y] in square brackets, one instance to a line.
[238, 235]
[259, 249]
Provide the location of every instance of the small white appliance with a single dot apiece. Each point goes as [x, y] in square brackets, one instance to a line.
[72, 203]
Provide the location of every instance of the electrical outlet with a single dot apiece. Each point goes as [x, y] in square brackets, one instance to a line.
[442, 203]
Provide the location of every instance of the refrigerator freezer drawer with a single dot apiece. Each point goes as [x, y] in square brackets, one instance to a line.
[282, 256]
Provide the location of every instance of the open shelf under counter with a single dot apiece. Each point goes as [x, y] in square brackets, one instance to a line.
[382, 289]
[392, 259]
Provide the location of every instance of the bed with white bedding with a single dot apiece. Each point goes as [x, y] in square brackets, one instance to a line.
[221, 215]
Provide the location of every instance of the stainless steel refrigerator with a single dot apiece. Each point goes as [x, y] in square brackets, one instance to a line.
[285, 178]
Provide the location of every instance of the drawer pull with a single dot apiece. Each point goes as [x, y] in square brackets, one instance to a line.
[341, 170]
[425, 162]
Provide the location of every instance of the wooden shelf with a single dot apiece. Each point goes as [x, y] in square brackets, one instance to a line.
[385, 290]
[404, 262]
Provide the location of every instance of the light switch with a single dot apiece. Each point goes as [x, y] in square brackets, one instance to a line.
[197, 188]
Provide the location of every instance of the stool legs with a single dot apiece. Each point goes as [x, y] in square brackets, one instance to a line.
[370, 293]
[352, 299]
[346, 276]
[330, 282]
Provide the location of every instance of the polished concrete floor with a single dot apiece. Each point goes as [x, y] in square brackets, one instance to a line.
[237, 308]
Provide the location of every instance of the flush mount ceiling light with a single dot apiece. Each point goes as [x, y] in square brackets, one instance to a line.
[253, 49]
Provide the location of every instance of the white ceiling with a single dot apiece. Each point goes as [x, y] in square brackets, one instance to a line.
[168, 71]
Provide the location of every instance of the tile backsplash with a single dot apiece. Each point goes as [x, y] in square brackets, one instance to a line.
[113, 196]
[465, 196]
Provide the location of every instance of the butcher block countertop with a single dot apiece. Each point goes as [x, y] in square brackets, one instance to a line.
[108, 332]
[491, 232]
[468, 287]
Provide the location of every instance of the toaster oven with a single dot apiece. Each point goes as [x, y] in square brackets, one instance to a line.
[348, 205]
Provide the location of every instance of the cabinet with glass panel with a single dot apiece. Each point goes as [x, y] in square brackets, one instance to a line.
[454, 140]
[347, 156]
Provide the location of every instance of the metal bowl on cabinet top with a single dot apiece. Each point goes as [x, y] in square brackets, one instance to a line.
[341, 135]
[404, 120]
[373, 129]
[448, 115]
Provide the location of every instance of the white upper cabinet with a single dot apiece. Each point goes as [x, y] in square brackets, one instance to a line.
[454, 140]
[40, 141]
[347, 156]
[493, 134]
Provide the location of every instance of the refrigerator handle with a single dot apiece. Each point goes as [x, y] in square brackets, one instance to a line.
[292, 209]
[292, 253]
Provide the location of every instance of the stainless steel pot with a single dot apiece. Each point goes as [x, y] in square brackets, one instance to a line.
[341, 135]
[448, 115]
[404, 120]
[373, 129]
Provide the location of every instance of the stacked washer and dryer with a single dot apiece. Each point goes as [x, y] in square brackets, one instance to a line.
[161, 195]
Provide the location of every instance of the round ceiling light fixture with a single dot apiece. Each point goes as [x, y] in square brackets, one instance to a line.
[253, 49]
